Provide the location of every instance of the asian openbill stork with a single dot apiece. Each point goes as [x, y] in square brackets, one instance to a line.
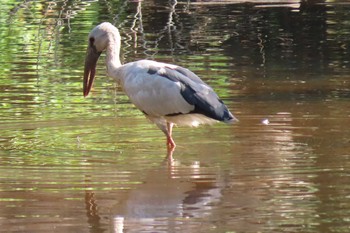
[167, 94]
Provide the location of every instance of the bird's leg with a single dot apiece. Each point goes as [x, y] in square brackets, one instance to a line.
[167, 128]
[170, 142]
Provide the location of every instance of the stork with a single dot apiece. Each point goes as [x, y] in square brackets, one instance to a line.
[167, 94]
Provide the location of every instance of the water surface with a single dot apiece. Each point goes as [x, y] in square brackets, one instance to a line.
[74, 164]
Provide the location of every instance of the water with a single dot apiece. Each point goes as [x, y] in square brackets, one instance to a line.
[70, 164]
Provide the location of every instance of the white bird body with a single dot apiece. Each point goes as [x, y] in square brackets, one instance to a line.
[159, 98]
[154, 88]
[167, 94]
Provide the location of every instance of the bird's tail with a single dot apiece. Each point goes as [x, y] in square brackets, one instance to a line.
[231, 119]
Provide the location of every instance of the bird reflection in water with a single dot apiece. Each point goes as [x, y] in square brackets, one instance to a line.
[169, 194]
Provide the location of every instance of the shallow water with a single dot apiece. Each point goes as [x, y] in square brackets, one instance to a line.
[74, 164]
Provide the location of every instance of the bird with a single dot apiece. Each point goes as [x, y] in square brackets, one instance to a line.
[167, 94]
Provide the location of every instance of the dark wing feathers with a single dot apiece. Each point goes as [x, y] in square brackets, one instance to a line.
[195, 92]
[206, 103]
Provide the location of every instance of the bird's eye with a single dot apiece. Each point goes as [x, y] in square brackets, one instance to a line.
[91, 40]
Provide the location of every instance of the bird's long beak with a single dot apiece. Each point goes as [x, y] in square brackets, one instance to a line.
[90, 69]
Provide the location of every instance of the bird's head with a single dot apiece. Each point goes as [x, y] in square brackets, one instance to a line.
[98, 41]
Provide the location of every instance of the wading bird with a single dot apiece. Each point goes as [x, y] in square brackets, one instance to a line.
[167, 94]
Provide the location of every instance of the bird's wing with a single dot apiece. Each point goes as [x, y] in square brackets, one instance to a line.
[162, 89]
[152, 93]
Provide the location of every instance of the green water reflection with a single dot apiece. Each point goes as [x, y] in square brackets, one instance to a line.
[95, 164]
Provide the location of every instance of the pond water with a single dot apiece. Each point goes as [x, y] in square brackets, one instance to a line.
[75, 164]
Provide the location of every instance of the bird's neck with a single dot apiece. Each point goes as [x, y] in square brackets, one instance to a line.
[112, 56]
